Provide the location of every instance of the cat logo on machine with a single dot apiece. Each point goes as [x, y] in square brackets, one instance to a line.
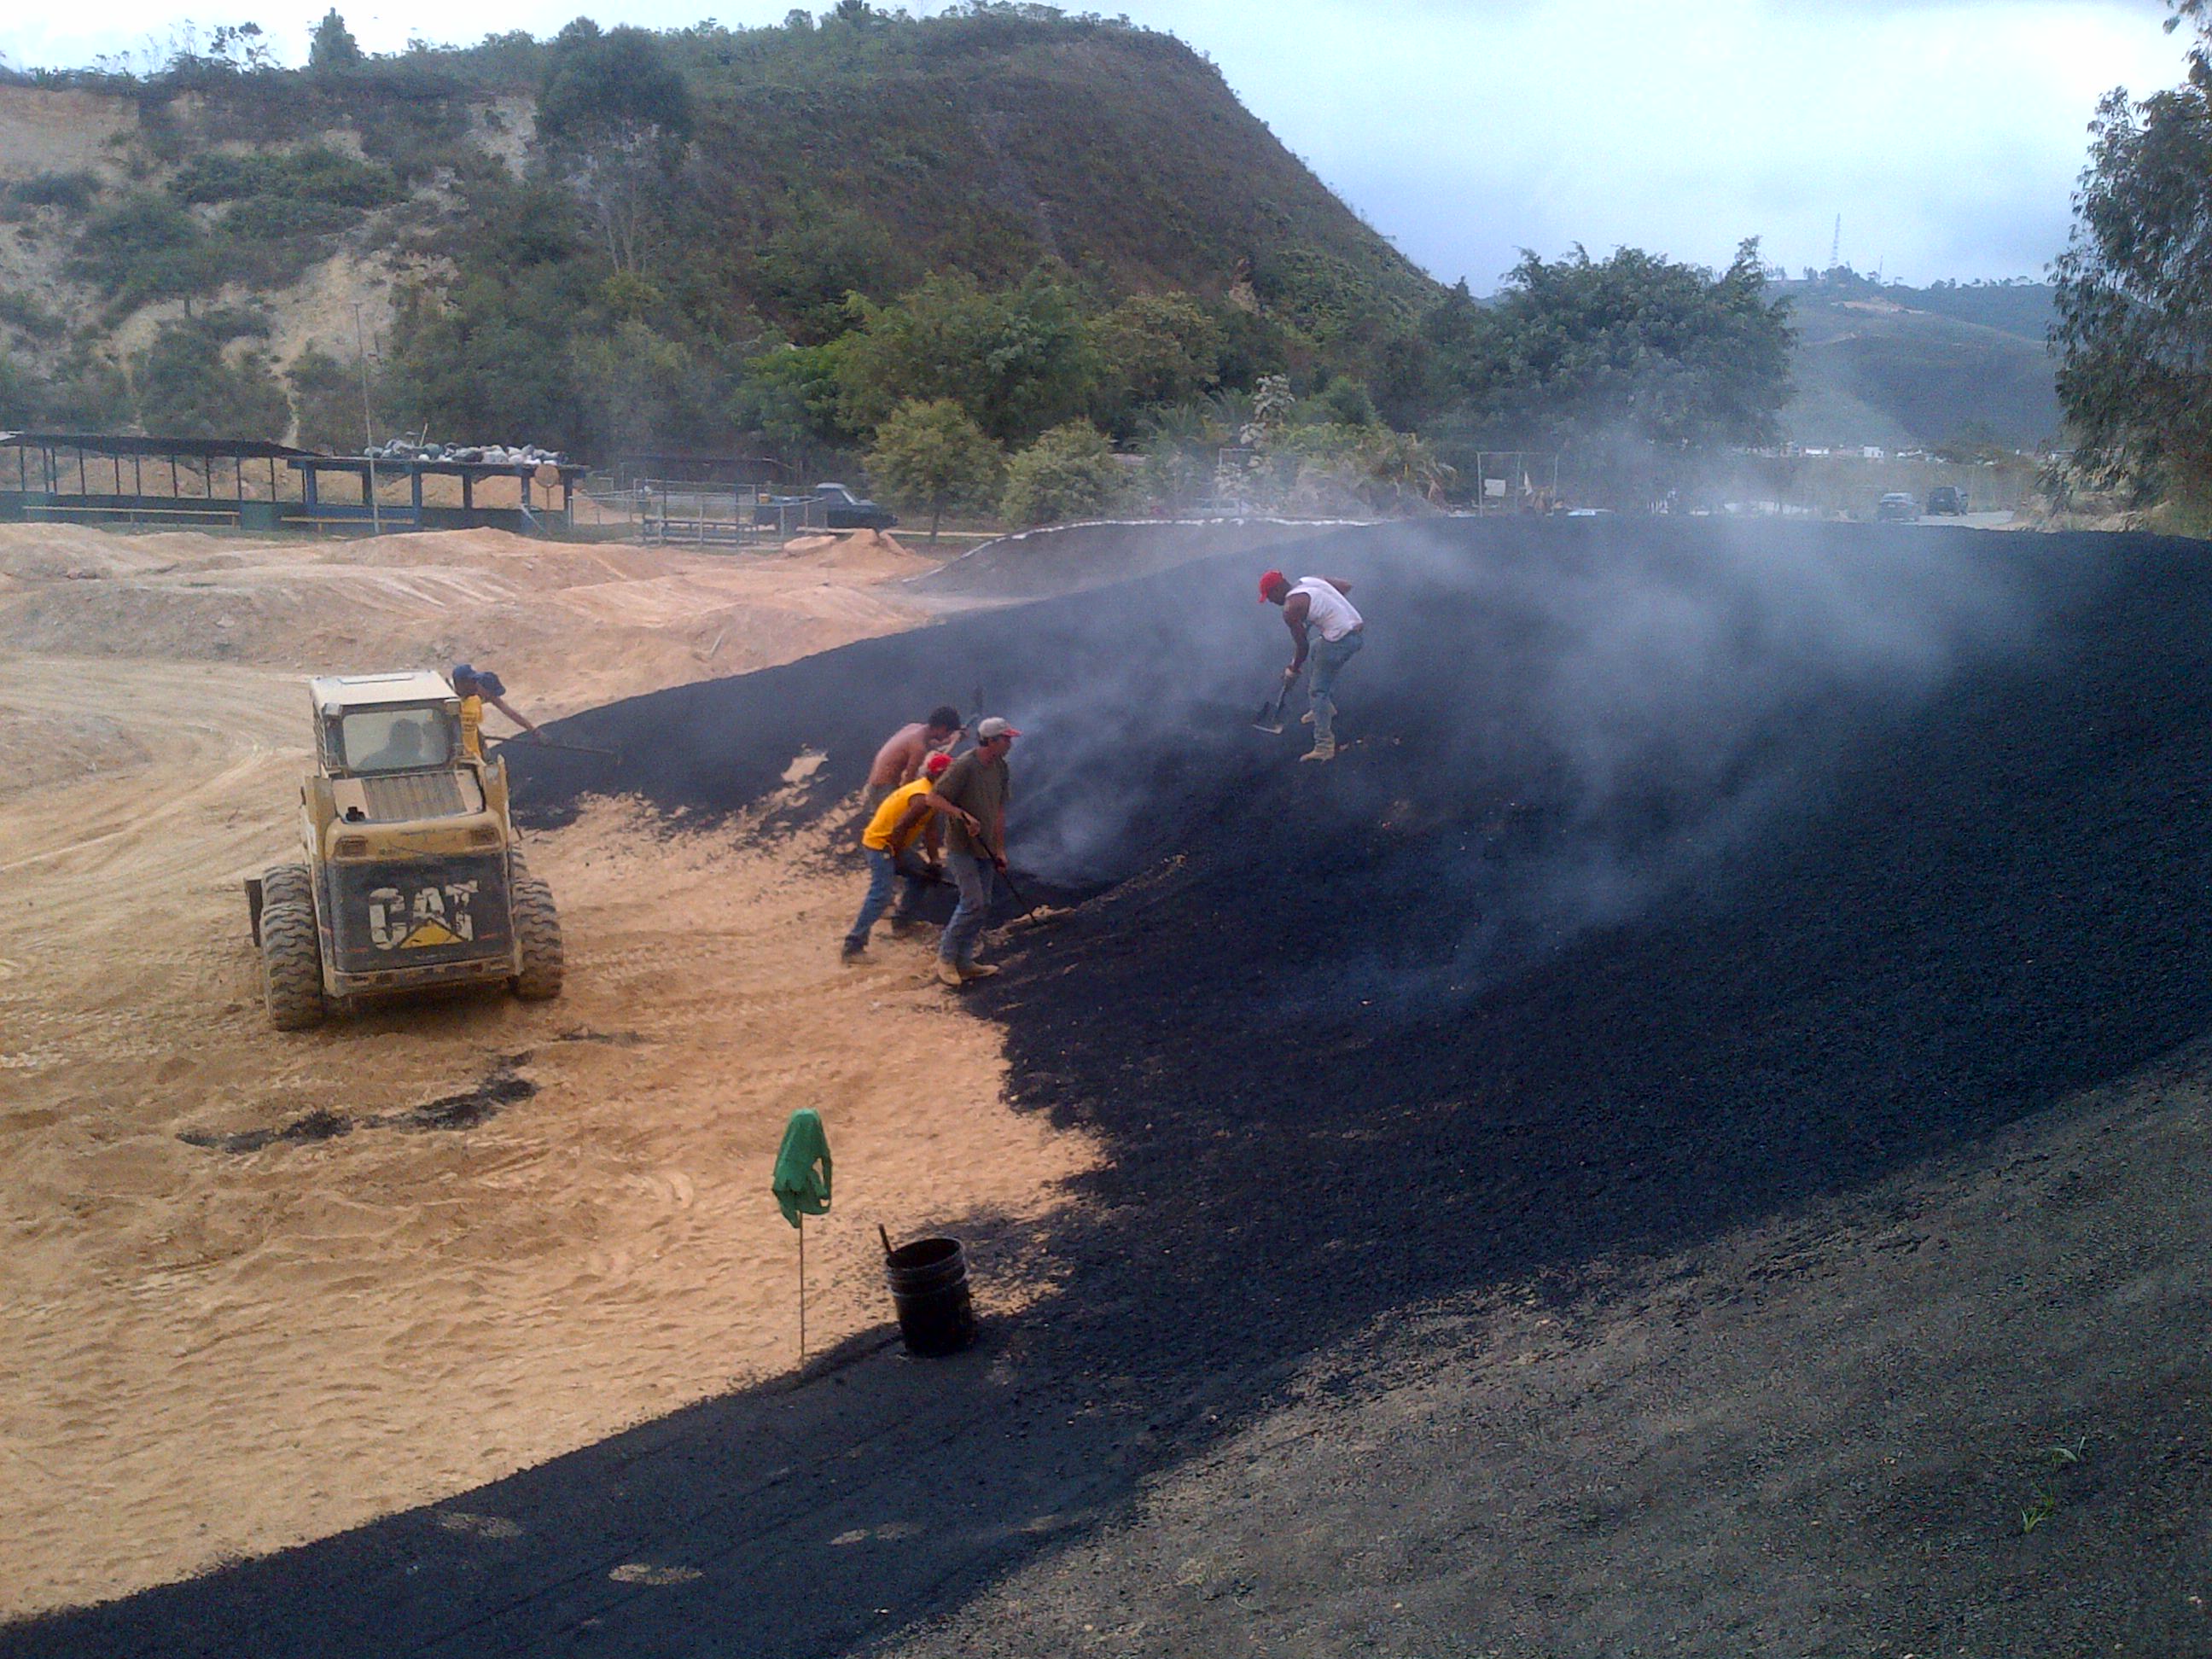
[427, 918]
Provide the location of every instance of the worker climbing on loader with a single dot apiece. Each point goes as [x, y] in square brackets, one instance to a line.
[476, 687]
[1318, 612]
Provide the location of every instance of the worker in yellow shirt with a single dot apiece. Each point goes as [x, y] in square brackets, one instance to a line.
[476, 687]
[901, 840]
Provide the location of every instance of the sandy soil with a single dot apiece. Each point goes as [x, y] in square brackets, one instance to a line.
[60, 130]
[208, 1352]
[567, 626]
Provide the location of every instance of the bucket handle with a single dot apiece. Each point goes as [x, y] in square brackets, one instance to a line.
[886, 1237]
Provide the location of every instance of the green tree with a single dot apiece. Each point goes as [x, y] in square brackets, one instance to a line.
[1019, 360]
[599, 83]
[1068, 473]
[19, 401]
[792, 398]
[328, 410]
[930, 456]
[639, 389]
[806, 268]
[1154, 350]
[1178, 455]
[333, 46]
[191, 385]
[2135, 313]
[88, 394]
[1672, 354]
[615, 120]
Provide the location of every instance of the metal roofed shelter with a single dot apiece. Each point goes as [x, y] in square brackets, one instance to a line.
[370, 474]
[110, 477]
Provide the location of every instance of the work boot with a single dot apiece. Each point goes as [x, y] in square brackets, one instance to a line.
[905, 926]
[978, 970]
[949, 975]
[855, 950]
[1324, 748]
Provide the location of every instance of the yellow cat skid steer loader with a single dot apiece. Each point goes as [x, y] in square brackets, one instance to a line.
[410, 876]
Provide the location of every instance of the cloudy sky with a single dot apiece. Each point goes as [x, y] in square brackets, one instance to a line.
[1948, 134]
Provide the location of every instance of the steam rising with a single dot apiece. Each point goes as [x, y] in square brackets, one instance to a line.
[1550, 730]
[1555, 726]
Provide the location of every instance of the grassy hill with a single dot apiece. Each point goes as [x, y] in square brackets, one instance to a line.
[203, 246]
[1899, 366]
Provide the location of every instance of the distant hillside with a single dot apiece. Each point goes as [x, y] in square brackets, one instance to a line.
[991, 143]
[271, 218]
[1898, 366]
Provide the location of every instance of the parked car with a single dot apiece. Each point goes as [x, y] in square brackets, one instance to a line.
[844, 510]
[826, 506]
[1947, 498]
[1897, 505]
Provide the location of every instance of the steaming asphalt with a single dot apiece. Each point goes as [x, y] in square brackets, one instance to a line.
[1675, 875]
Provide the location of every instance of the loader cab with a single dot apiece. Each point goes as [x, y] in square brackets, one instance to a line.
[374, 724]
[388, 751]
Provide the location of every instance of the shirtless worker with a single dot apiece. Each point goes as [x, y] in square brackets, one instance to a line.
[899, 761]
[1317, 610]
[476, 687]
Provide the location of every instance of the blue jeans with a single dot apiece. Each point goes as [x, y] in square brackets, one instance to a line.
[882, 868]
[1329, 659]
[975, 878]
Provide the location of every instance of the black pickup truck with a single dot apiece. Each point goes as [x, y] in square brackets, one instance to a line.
[831, 507]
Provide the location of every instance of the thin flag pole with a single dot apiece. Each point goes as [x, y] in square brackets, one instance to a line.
[802, 1289]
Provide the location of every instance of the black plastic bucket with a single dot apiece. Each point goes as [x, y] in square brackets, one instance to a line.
[929, 1287]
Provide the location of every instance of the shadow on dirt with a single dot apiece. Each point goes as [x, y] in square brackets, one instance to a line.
[1760, 916]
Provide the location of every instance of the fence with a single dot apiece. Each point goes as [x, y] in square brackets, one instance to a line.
[671, 513]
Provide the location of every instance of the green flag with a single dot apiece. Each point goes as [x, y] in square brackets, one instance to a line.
[798, 1184]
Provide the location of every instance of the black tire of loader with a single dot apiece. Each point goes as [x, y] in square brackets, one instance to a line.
[538, 932]
[291, 965]
[287, 884]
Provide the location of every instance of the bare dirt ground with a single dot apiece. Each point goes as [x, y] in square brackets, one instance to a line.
[208, 1352]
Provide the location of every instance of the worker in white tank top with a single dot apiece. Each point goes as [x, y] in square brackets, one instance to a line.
[1318, 612]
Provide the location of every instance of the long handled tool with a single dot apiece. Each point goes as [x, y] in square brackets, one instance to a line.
[1270, 717]
[1028, 911]
[536, 742]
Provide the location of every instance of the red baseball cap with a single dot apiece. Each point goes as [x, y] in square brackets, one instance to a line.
[936, 763]
[1270, 582]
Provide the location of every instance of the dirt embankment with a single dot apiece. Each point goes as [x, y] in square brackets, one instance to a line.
[264, 1288]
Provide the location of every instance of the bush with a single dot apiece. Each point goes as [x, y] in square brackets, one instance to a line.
[74, 191]
[147, 248]
[17, 407]
[326, 402]
[315, 172]
[273, 218]
[23, 312]
[189, 388]
[89, 394]
[1068, 473]
[597, 84]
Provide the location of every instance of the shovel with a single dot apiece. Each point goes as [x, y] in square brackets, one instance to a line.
[1270, 717]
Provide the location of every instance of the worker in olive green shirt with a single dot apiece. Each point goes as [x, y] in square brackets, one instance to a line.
[977, 788]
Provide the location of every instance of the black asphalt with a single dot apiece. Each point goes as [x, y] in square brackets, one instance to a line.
[1671, 876]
